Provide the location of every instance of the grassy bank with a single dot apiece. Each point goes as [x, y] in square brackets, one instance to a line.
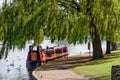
[100, 69]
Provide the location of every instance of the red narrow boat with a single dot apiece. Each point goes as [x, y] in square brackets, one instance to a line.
[37, 57]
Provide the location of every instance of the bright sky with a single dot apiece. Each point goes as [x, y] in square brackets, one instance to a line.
[1, 1]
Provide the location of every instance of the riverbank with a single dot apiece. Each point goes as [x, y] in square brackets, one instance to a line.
[100, 69]
[62, 69]
[86, 69]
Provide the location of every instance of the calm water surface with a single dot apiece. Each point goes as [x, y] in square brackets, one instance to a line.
[14, 68]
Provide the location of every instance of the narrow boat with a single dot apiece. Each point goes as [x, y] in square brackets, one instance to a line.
[37, 57]
[33, 59]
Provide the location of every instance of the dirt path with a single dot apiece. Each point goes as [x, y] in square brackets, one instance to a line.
[61, 69]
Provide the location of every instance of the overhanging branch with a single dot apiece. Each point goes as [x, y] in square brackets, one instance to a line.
[73, 4]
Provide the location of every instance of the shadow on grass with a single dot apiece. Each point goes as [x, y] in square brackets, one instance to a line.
[71, 62]
[64, 63]
[113, 55]
[107, 58]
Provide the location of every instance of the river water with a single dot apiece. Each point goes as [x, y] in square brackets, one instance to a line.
[14, 67]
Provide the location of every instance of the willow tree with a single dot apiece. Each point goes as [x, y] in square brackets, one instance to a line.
[112, 35]
[113, 26]
[85, 18]
[14, 32]
[72, 20]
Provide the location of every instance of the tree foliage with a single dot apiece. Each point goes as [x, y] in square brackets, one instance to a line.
[72, 20]
[113, 23]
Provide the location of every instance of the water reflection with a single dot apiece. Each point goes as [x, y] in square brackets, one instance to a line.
[31, 77]
[14, 67]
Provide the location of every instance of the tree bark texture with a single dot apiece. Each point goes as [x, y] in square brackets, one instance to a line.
[97, 49]
[108, 50]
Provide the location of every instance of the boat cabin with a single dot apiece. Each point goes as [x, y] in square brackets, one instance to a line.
[39, 56]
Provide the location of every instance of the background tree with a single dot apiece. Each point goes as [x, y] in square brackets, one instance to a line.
[112, 33]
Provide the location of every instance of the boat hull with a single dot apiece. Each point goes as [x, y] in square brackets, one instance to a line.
[35, 57]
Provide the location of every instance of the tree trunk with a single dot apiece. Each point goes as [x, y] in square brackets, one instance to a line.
[97, 49]
[114, 46]
[108, 51]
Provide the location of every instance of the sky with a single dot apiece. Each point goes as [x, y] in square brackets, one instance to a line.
[1, 1]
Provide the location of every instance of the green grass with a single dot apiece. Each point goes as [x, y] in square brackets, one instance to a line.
[100, 69]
